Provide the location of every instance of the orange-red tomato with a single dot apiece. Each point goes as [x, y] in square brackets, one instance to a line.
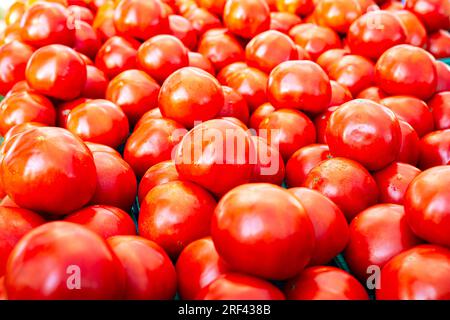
[63, 111]
[213, 6]
[439, 44]
[19, 128]
[96, 83]
[434, 149]
[415, 32]
[78, 12]
[246, 18]
[234, 105]
[225, 74]
[203, 20]
[433, 13]
[329, 57]
[200, 61]
[95, 147]
[157, 174]
[116, 55]
[339, 94]
[440, 106]
[268, 163]
[86, 40]
[15, 13]
[259, 114]
[337, 14]
[443, 73]
[409, 147]
[182, 28]
[372, 93]
[300, 7]
[103, 22]
[321, 122]
[283, 21]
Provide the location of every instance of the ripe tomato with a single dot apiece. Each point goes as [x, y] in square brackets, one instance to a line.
[407, 276]
[63, 110]
[200, 61]
[197, 266]
[14, 224]
[103, 22]
[234, 105]
[95, 147]
[259, 114]
[409, 147]
[300, 7]
[372, 93]
[440, 106]
[80, 12]
[104, 220]
[283, 21]
[189, 95]
[86, 39]
[337, 14]
[439, 44]
[433, 13]
[157, 174]
[415, 32]
[396, 75]
[393, 181]
[426, 204]
[321, 122]
[339, 94]
[149, 273]
[300, 85]
[329, 224]
[325, 283]
[268, 163]
[329, 57]
[174, 214]
[96, 83]
[116, 55]
[62, 181]
[246, 18]
[272, 250]
[19, 128]
[443, 72]
[202, 20]
[346, 183]
[434, 149]
[182, 28]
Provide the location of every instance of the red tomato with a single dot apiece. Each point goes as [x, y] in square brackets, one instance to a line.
[56, 71]
[434, 149]
[213, 6]
[197, 266]
[182, 28]
[372, 93]
[246, 18]
[78, 13]
[134, 92]
[104, 20]
[116, 55]
[189, 95]
[361, 128]
[62, 181]
[262, 230]
[259, 114]
[397, 75]
[19, 128]
[268, 163]
[227, 72]
[104, 220]
[439, 44]
[321, 122]
[433, 13]
[329, 57]
[161, 55]
[174, 214]
[234, 105]
[141, 19]
[339, 94]
[202, 20]
[300, 85]
[300, 7]
[283, 21]
[421, 273]
[25, 106]
[86, 39]
[63, 110]
[157, 174]
[393, 181]
[378, 234]
[95, 147]
[63, 252]
[14, 224]
[346, 183]
[329, 224]
[325, 283]
[415, 32]
[409, 147]
[337, 14]
[13, 60]
[200, 61]
[96, 83]
[303, 161]
[443, 72]
[440, 105]
[411, 110]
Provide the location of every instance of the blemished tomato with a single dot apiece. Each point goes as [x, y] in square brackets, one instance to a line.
[337, 14]
[426, 205]
[106, 221]
[434, 149]
[86, 39]
[393, 181]
[361, 128]
[182, 28]
[409, 147]
[433, 13]
[234, 105]
[443, 72]
[61, 245]
[299, 85]
[439, 44]
[46, 23]
[189, 95]
[372, 93]
[329, 224]
[378, 234]
[347, 183]
[339, 94]
[198, 265]
[303, 161]
[440, 106]
[135, 92]
[268, 163]
[14, 224]
[408, 276]
[13, 60]
[300, 7]
[162, 55]
[259, 114]
[288, 130]
[329, 57]
[141, 19]
[415, 32]
[202, 20]
[279, 247]
[174, 214]
[157, 174]
[99, 121]
[234, 286]
[321, 122]
[283, 21]
[406, 70]
[246, 18]
[198, 60]
[56, 71]
[221, 48]
[63, 111]
[325, 283]
[151, 143]
[25, 106]
[62, 181]
[116, 55]
[96, 83]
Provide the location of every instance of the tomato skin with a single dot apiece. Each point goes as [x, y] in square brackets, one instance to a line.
[440, 106]
[86, 40]
[198, 60]
[439, 43]
[407, 276]
[64, 244]
[22, 107]
[115, 56]
[287, 129]
[19, 128]
[96, 83]
[103, 23]
[393, 181]
[13, 60]
[262, 252]
[321, 122]
[157, 174]
[433, 13]
[303, 161]
[409, 147]
[339, 94]
[269, 165]
[95, 147]
[325, 283]
[62, 182]
[202, 20]
[347, 183]
[415, 31]
[300, 7]
[434, 149]
[134, 92]
[174, 214]
[259, 114]
[189, 95]
[372, 93]
[44, 24]
[234, 105]
[14, 224]
[78, 11]
[283, 21]
[337, 14]
[15, 13]
[213, 6]
[63, 111]
[396, 75]
[162, 55]
[329, 57]
[246, 18]
[198, 265]
[299, 85]
[443, 72]
[329, 224]
[182, 28]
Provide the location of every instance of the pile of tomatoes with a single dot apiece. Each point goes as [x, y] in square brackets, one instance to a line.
[258, 139]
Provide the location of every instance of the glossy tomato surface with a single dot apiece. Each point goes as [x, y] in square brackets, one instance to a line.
[160, 173]
[246, 18]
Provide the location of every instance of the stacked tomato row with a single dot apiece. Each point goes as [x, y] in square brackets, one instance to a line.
[348, 106]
